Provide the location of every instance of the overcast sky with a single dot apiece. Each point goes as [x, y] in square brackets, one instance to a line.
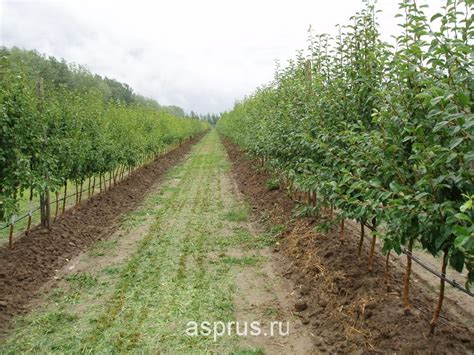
[201, 55]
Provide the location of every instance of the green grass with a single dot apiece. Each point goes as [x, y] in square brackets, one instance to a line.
[112, 270]
[242, 261]
[237, 214]
[248, 352]
[82, 280]
[143, 304]
[101, 248]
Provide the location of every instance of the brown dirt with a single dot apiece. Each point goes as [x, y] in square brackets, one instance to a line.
[35, 258]
[349, 308]
[263, 293]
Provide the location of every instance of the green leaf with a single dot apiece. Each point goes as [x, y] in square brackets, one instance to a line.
[455, 142]
[466, 206]
[456, 260]
[395, 187]
[461, 231]
[460, 241]
[436, 16]
[440, 125]
[463, 217]
[419, 196]
[436, 100]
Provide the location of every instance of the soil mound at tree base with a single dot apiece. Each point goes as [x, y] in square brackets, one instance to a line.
[349, 308]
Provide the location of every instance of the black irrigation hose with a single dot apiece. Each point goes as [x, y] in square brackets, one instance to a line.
[436, 273]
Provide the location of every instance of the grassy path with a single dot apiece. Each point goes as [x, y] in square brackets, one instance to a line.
[175, 260]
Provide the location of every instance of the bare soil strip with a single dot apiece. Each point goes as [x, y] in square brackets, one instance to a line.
[262, 293]
[348, 308]
[35, 258]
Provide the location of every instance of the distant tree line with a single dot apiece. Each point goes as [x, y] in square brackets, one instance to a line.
[211, 118]
[78, 78]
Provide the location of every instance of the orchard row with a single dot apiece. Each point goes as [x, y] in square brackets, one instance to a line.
[381, 132]
[53, 133]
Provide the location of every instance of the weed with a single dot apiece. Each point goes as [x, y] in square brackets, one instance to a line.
[82, 280]
[272, 184]
[112, 270]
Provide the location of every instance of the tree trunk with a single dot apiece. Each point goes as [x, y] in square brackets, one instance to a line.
[437, 311]
[57, 206]
[65, 196]
[341, 234]
[406, 285]
[361, 240]
[10, 236]
[44, 197]
[77, 194]
[80, 192]
[29, 212]
[387, 269]
[43, 209]
[372, 252]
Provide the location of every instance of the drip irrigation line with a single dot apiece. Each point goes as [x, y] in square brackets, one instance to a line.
[131, 171]
[51, 203]
[436, 273]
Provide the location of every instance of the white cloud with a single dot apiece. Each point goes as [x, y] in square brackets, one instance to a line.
[200, 55]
